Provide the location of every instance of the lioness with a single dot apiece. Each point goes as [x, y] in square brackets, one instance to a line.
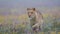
[36, 19]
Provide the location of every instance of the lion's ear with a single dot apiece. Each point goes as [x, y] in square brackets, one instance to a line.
[34, 9]
[27, 8]
[31, 9]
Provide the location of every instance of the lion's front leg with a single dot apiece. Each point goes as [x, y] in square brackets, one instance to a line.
[35, 27]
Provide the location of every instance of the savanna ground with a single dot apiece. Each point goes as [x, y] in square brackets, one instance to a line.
[17, 24]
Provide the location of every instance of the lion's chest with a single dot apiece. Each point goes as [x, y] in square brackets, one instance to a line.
[33, 21]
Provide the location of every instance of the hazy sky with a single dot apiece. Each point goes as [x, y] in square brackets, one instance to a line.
[28, 3]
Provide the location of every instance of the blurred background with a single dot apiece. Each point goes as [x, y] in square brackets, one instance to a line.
[13, 15]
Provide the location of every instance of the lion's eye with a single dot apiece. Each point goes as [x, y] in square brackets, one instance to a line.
[28, 12]
[31, 12]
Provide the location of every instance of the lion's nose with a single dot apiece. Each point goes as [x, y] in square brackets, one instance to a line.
[29, 15]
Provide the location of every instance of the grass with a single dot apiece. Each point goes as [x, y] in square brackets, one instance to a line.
[6, 24]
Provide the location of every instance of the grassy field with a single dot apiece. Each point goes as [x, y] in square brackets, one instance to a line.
[16, 24]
